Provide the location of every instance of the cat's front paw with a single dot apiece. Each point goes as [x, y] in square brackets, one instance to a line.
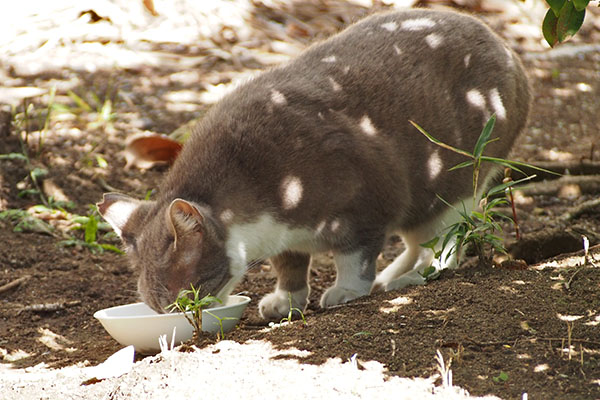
[276, 305]
[337, 295]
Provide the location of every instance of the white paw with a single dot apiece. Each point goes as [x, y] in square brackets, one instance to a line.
[276, 305]
[411, 278]
[337, 295]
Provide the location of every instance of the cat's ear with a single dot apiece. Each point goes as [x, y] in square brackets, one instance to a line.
[116, 209]
[184, 218]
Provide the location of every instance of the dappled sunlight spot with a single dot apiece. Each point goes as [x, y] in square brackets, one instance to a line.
[541, 368]
[569, 318]
[367, 126]
[182, 107]
[441, 312]
[497, 105]
[584, 87]
[594, 322]
[395, 304]
[390, 26]
[519, 282]
[508, 289]
[571, 261]
[434, 165]
[397, 50]
[523, 357]
[557, 155]
[291, 189]
[185, 77]
[329, 59]
[293, 352]
[278, 98]
[55, 341]
[13, 356]
[417, 24]
[434, 40]
[563, 92]
[181, 96]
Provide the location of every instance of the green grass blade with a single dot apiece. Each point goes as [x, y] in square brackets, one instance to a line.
[440, 143]
[484, 137]
[462, 165]
[81, 103]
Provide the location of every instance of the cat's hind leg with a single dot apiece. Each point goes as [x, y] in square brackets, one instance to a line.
[292, 283]
[406, 269]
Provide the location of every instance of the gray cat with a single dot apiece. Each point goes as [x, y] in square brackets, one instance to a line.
[318, 155]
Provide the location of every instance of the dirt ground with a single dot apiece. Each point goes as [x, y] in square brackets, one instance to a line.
[506, 329]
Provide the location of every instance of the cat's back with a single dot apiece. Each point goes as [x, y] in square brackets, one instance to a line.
[338, 115]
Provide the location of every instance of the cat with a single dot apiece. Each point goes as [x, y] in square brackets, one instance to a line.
[318, 155]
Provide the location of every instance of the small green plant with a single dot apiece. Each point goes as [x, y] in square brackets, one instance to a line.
[220, 320]
[25, 222]
[291, 312]
[476, 228]
[98, 112]
[501, 378]
[193, 304]
[90, 224]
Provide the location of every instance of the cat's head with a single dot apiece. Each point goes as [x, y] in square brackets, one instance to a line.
[172, 245]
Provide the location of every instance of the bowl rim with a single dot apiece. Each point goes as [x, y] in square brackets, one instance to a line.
[244, 300]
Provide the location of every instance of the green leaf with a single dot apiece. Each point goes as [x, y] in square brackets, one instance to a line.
[37, 173]
[580, 4]
[431, 243]
[549, 28]
[79, 101]
[502, 377]
[13, 156]
[484, 137]
[101, 161]
[112, 248]
[569, 21]
[439, 143]
[502, 187]
[556, 5]
[462, 165]
[91, 228]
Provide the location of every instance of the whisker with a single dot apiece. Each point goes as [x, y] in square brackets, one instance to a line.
[254, 264]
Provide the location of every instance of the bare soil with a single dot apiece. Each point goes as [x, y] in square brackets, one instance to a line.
[494, 323]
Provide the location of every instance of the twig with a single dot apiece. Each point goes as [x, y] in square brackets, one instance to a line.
[49, 307]
[582, 208]
[13, 284]
[568, 284]
[587, 183]
[102, 183]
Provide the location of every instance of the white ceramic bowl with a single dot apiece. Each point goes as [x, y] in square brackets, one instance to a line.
[138, 325]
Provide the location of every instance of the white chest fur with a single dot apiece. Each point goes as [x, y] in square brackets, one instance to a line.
[266, 237]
